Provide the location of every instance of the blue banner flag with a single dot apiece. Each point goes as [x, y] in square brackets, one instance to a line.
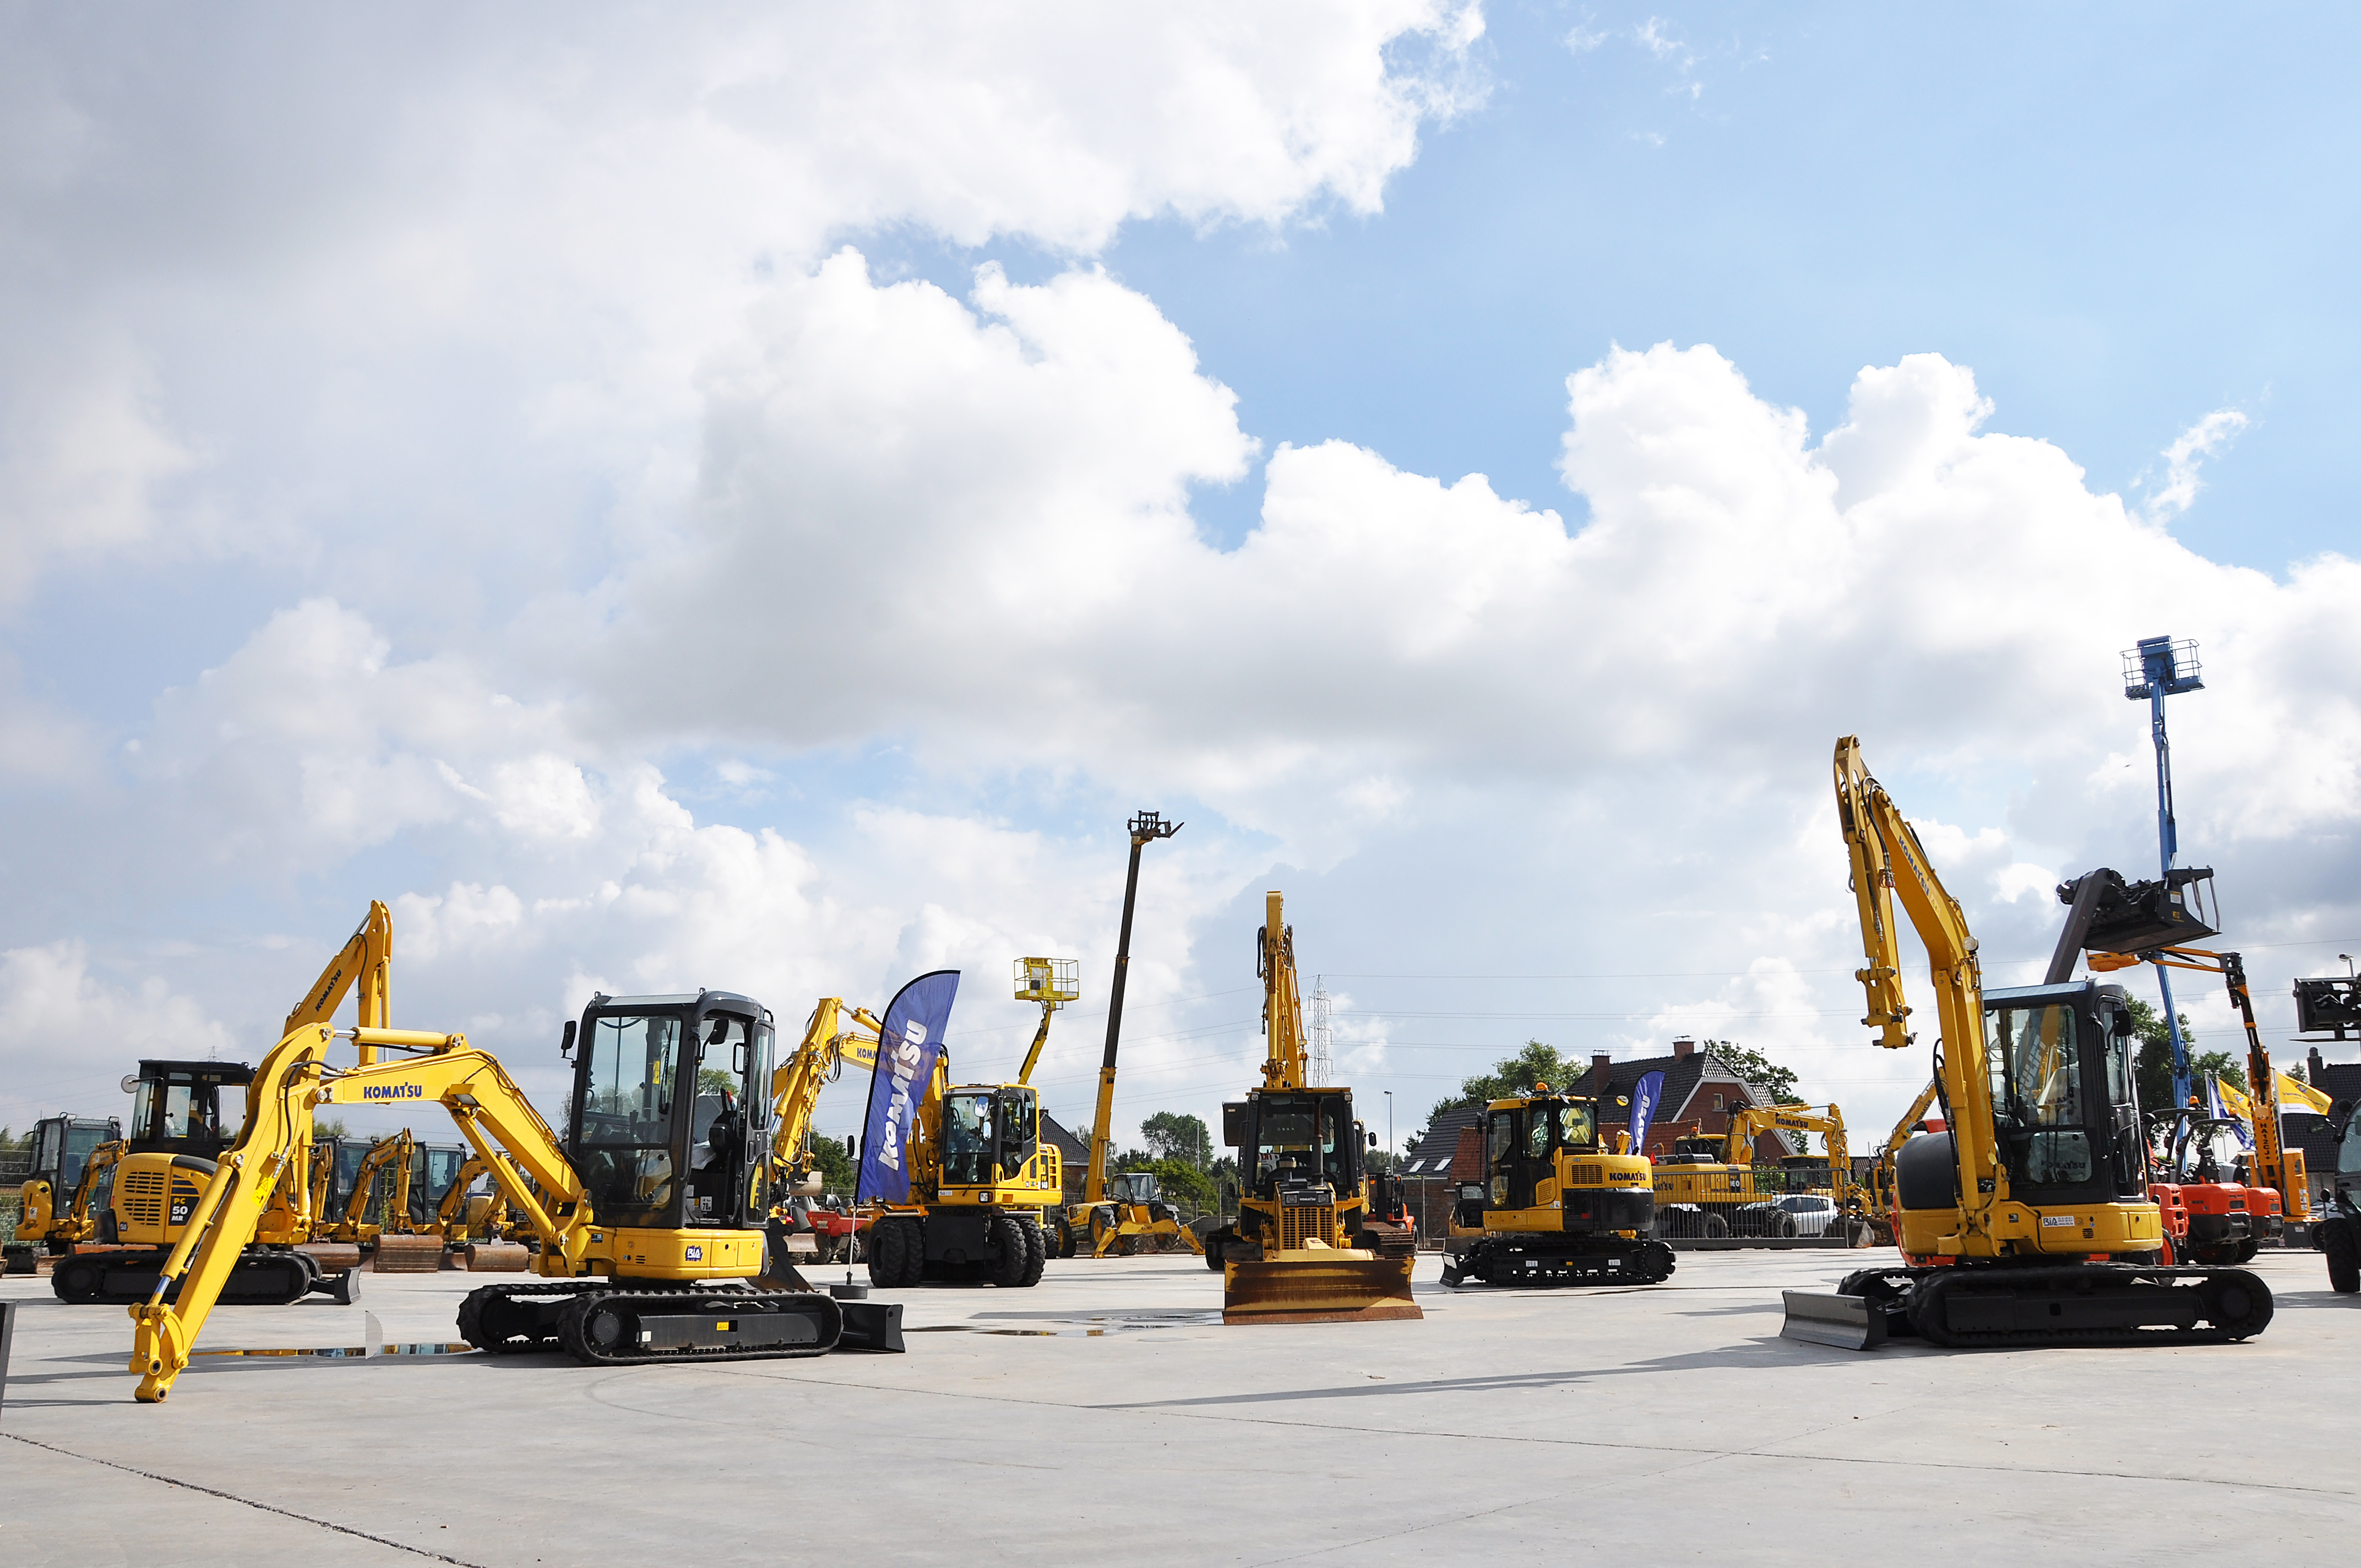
[1645, 1096]
[907, 1048]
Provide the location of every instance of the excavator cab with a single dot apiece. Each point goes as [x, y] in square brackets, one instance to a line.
[61, 1149]
[176, 1107]
[671, 1109]
[990, 1132]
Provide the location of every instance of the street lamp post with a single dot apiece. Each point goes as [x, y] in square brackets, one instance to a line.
[1390, 1127]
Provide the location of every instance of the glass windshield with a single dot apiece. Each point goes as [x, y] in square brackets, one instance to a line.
[80, 1141]
[1537, 1133]
[634, 1066]
[1577, 1126]
[2037, 1087]
[967, 1139]
[1286, 1133]
[2348, 1152]
[46, 1151]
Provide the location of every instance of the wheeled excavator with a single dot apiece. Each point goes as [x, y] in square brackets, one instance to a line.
[1557, 1207]
[2030, 1209]
[981, 1175]
[1298, 1252]
[649, 1227]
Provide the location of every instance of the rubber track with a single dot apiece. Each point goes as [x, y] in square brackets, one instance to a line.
[568, 1336]
[1583, 1268]
[1937, 1278]
[247, 1265]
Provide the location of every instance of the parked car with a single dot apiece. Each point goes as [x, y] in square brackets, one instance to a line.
[1797, 1214]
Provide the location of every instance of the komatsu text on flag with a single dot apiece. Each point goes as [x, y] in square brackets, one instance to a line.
[907, 1048]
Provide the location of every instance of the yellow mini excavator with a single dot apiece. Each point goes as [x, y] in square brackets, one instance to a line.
[53, 1205]
[648, 1213]
[1556, 1206]
[2031, 1208]
[1297, 1251]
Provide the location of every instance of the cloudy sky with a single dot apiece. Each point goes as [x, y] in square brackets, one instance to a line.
[755, 500]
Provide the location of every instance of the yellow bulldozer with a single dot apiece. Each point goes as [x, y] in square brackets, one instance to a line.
[1298, 1252]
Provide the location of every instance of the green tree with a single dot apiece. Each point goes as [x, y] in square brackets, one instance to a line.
[1756, 1068]
[838, 1171]
[2155, 1066]
[1513, 1075]
[713, 1080]
[1175, 1134]
[1180, 1178]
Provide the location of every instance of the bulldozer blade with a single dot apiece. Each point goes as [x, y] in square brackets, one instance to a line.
[1845, 1321]
[1341, 1288]
[872, 1325]
[408, 1254]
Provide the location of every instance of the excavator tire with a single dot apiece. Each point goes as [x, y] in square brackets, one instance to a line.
[1713, 1227]
[2247, 1250]
[1010, 1255]
[2338, 1244]
[888, 1239]
[1037, 1252]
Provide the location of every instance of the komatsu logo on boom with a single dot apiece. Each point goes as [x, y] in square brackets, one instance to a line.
[392, 1091]
[906, 1056]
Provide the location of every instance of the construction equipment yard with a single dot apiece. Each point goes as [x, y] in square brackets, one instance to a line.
[1599, 1422]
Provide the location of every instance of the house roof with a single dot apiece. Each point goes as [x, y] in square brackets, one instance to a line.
[1430, 1154]
[1072, 1149]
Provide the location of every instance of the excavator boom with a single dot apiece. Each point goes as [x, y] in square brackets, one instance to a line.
[2041, 1165]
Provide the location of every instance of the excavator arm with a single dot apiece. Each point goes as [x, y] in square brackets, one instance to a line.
[492, 1114]
[834, 1034]
[1888, 861]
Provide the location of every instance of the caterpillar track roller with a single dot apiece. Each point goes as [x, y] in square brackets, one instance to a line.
[2027, 1220]
[1298, 1252]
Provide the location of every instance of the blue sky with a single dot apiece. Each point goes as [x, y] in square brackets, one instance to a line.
[465, 443]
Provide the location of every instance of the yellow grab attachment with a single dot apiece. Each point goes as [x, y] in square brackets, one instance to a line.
[1321, 1285]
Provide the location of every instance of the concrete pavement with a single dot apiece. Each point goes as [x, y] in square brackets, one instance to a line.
[1108, 1416]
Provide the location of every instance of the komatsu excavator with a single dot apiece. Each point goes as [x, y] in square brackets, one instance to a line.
[1297, 1251]
[54, 1203]
[2031, 1207]
[981, 1174]
[649, 1226]
[1559, 1208]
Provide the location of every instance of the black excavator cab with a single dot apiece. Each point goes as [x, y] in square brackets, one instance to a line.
[672, 1108]
[177, 1107]
[2065, 1106]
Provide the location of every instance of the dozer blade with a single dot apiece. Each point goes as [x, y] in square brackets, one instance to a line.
[408, 1254]
[1318, 1288]
[1846, 1321]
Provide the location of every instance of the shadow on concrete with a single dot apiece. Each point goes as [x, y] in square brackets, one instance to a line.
[1752, 1354]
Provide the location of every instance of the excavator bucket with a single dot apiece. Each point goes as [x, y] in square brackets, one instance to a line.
[1849, 1322]
[1318, 1286]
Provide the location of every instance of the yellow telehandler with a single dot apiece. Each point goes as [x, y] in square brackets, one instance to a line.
[1298, 1252]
